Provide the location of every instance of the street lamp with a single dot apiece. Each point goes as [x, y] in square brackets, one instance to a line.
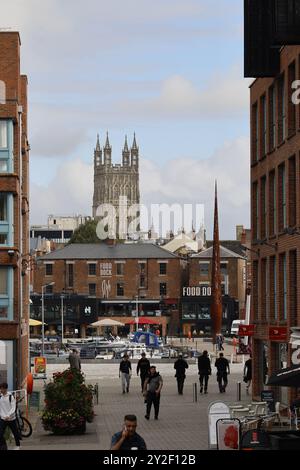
[137, 312]
[43, 316]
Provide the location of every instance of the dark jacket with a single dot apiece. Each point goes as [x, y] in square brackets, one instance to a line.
[125, 366]
[135, 441]
[222, 365]
[204, 366]
[180, 365]
[144, 366]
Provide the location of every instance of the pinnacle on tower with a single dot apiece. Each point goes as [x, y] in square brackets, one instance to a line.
[107, 144]
[134, 146]
[98, 148]
[126, 149]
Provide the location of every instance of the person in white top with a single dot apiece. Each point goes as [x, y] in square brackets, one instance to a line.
[8, 414]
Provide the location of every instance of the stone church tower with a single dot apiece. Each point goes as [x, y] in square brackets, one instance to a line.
[113, 182]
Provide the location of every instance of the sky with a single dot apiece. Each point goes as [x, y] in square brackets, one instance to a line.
[169, 70]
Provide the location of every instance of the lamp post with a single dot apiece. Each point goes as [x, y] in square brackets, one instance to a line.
[137, 312]
[62, 318]
[43, 316]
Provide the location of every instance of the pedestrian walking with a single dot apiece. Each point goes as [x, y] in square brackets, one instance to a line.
[74, 360]
[204, 370]
[223, 370]
[8, 415]
[220, 341]
[125, 373]
[143, 367]
[152, 388]
[128, 438]
[248, 373]
[180, 366]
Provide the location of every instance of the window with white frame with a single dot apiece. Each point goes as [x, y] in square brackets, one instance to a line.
[6, 293]
[6, 219]
[2, 92]
[6, 146]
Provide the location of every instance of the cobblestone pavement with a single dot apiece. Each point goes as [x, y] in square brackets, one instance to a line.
[182, 423]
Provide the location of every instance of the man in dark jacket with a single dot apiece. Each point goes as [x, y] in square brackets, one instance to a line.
[222, 366]
[143, 367]
[125, 373]
[180, 365]
[152, 388]
[204, 370]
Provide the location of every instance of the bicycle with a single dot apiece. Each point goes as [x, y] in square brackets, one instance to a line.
[24, 426]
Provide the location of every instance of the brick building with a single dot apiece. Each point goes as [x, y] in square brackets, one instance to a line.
[275, 214]
[14, 210]
[196, 297]
[101, 280]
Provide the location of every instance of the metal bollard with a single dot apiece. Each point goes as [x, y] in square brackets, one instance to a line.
[195, 396]
[239, 391]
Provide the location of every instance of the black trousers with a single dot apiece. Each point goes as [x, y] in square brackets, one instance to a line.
[143, 378]
[180, 383]
[222, 380]
[204, 377]
[152, 397]
[14, 429]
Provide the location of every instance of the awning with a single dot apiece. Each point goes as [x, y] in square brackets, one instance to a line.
[289, 377]
[133, 301]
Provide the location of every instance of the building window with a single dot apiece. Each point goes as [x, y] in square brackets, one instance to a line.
[162, 269]
[281, 110]
[204, 269]
[263, 296]
[49, 289]
[92, 269]
[263, 126]
[291, 106]
[272, 118]
[120, 289]
[282, 219]
[283, 286]
[292, 192]
[70, 275]
[6, 146]
[293, 287]
[272, 203]
[92, 289]
[6, 293]
[255, 289]
[255, 211]
[3, 281]
[120, 269]
[224, 269]
[162, 288]
[6, 219]
[2, 92]
[49, 269]
[254, 133]
[263, 208]
[142, 274]
[273, 289]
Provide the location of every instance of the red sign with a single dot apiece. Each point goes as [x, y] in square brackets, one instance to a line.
[246, 330]
[278, 333]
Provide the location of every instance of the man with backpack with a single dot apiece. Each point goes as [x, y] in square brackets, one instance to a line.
[8, 414]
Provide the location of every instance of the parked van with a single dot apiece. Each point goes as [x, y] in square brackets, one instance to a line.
[235, 327]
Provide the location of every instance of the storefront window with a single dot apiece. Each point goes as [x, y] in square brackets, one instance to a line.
[6, 363]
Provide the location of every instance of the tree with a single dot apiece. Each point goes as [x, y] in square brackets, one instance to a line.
[86, 233]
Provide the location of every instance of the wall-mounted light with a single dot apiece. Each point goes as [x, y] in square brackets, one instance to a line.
[11, 252]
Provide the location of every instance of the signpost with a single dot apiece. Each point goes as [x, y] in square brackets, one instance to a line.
[228, 434]
[40, 366]
[268, 397]
[216, 411]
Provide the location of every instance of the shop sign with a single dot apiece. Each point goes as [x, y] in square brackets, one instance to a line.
[246, 330]
[40, 364]
[197, 291]
[106, 269]
[278, 333]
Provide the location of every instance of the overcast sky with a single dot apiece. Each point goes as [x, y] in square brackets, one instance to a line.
[169, 70]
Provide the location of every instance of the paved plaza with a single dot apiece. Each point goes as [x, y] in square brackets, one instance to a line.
[182, 423]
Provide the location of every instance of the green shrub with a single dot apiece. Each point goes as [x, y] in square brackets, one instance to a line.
[69, 403]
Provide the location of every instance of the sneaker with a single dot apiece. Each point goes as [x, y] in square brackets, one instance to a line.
[155, 417]
[127, 389]
[146, 416]
[205, 391]
[123, 391]
[201, 389]
[16, 448]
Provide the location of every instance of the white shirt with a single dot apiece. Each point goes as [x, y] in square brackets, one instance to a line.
[7, 407]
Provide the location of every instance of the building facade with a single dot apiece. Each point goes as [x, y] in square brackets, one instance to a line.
[99, 280]
[117, 185]
[196, 296]
[14, 214]
[275, 218]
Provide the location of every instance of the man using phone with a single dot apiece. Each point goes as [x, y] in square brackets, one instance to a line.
[128, 438]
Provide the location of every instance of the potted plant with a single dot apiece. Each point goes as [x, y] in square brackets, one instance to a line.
[68, 403]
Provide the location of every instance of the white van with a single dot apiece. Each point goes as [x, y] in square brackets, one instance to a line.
[235, 327]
